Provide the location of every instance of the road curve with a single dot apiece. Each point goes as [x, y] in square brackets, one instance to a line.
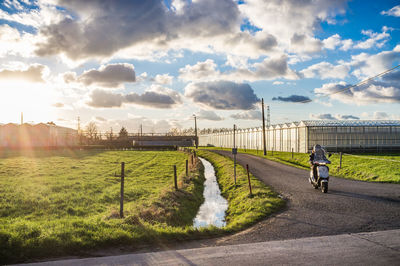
[349, 206]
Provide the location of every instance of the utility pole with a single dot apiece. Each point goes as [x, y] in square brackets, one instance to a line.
[263, 127]
[195, 131]
[234, 151]
[141, 130]
[79, 125]
[268, 117]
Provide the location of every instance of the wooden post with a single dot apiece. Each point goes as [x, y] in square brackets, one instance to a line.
[272, 151]
[175, 178]
[121, 203]
[194, 154]
[187, 167]
[248, 178]
[292, 153]
[340, 163]
[234, 155]
[191, 160]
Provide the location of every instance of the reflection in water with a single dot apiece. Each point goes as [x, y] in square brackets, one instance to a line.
[212, 211]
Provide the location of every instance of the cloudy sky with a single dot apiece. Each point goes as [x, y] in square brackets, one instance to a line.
[156, 63]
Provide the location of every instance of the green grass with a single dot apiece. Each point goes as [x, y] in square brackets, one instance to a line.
[243, 210]
[382, 167]
[57, 203]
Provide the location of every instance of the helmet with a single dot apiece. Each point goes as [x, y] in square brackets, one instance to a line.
[317, 147]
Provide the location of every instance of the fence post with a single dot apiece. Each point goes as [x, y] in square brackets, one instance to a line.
[175, 178]
[292, 153]
[187, 167]
[121, 203]
[248, 178]
[340, 164]
[194, 153]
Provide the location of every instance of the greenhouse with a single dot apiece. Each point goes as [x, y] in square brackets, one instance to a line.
[333, 135]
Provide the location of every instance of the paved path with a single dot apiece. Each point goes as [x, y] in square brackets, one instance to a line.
[348, 207]
[377, 248]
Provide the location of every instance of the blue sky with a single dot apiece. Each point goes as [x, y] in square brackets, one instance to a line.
[156, 63]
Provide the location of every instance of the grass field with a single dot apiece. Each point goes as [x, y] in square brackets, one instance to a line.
[382, 167]
[55, 203]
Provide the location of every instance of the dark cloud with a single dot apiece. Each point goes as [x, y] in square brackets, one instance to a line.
[32, 74]
[292, 98]
[111, 75]
[155, 98]
[333, 117]
[323, 116]
[348, 117]
[105, 99]
[104, 27]
[385, 91]
[224, 95]
[392, 77]
[248, 115]
[208, 115]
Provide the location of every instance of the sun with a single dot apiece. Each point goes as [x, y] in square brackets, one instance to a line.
[33, 99]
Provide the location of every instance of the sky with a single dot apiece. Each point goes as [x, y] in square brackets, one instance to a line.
[158, 63]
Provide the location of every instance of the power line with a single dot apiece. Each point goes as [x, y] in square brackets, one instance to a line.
[355, 85]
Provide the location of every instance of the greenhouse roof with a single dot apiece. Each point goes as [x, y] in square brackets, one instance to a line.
[349, 123]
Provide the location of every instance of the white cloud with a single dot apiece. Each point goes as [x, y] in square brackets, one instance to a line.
[373, 92]
[269, 68]
[293, 21]
[375, 39]
[164, 79]
[248, 115]
[14, 43]
[208, 115]
[325, 70]
[367, 65]
[394, 11]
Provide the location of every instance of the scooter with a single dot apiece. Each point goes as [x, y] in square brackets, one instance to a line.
[321, 181]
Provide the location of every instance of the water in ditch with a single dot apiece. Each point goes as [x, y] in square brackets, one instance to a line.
[212, 211]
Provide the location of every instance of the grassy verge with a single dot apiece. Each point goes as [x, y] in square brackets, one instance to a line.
[243, 210]
[382, 167]
[55, 203]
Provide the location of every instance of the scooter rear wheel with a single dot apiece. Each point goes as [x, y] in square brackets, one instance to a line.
[324, 187]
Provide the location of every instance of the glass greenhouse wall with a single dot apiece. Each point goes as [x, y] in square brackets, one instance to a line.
[337, 135]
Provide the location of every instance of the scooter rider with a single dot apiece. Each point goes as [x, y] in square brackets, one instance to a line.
[317, 154]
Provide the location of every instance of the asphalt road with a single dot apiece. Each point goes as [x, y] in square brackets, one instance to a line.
[348, 207]
[377, 248]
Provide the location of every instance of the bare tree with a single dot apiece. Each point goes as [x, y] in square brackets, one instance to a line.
[91, 130]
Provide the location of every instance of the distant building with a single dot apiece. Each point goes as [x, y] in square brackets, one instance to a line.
[36, 136]
[334, 135]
